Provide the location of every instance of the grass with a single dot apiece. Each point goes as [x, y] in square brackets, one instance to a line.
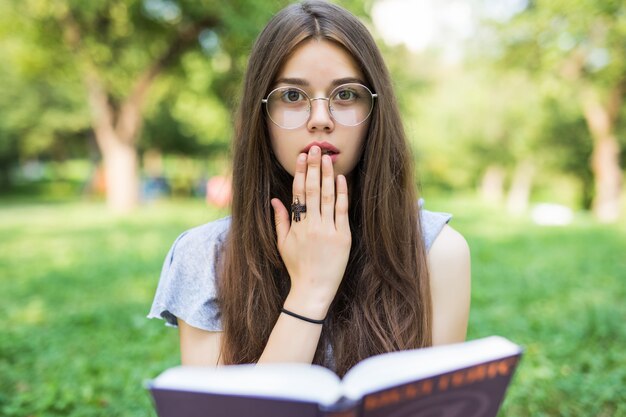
[77, 282]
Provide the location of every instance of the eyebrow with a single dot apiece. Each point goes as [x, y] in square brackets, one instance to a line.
[304, 83]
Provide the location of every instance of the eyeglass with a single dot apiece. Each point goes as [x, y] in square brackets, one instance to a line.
[290, 107]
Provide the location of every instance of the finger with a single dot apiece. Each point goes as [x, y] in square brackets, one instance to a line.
[312, 182]
[341, 206]
[298, 178]
[281, 218]
[328, 189]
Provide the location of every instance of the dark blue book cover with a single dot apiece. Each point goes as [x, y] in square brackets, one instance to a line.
[463, 380]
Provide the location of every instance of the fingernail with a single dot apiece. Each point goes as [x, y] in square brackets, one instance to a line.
[302, 157]
[315, 150]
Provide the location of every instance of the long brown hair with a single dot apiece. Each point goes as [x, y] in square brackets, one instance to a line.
[383, 303]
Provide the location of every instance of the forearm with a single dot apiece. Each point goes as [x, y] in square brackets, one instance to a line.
[293, 339]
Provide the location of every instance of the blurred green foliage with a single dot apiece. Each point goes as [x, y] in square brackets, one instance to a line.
[575, 54]
[51, 48]
[507, 103]
[76, 283]
[189, 109]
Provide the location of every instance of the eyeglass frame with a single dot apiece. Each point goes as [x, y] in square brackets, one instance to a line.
[327, 99]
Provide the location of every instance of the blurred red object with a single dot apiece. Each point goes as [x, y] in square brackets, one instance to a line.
[219, 191]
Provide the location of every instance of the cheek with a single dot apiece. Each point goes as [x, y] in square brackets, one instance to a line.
[281, 150]
[359, 146]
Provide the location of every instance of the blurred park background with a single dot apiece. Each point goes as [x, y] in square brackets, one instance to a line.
[115, 124]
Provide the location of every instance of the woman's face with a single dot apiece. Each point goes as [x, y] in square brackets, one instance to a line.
[317, 67]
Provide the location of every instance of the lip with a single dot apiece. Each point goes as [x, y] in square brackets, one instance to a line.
[324, 146]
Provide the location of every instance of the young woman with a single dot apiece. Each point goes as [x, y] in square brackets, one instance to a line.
[327, 257]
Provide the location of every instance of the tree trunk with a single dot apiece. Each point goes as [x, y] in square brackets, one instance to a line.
[5, 175]
[121, 174]
[117, 127]
[492, 184]
[521, 185]
[601, 119]
[118, 153]
[608, 178]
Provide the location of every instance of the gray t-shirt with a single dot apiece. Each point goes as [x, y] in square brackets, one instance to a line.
[187, 286]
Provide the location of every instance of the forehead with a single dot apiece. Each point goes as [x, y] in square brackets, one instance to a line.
[318, 63]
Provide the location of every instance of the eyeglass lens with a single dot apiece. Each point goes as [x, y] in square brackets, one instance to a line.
[290, 107]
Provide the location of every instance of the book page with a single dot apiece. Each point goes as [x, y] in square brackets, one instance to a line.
[300, 382]
[396, 368]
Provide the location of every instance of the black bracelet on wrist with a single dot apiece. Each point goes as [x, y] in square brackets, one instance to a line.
[298, 316]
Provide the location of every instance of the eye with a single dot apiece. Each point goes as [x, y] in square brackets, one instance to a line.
[292, 96]
[346, 95]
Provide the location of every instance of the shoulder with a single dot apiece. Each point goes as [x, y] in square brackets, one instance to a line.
[187, 286]
[193, 256]
[432, 223]
[196, 246]
[201, 237]
[449, 260]
[449, 246]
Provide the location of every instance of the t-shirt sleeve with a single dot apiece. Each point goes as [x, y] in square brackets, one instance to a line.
[187, 286]
[432, 224]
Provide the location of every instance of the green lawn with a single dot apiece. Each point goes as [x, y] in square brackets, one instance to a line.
[76, 284]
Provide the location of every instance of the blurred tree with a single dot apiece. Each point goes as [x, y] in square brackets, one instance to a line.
[117, 50]
[567, 145]
[112, 64]
[582, 45]
[476, 126]
[41, 111]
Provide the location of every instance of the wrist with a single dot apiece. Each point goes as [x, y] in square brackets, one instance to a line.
[308, 306]
[303, 318]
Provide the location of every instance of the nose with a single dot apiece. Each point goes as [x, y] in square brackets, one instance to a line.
[320, 118]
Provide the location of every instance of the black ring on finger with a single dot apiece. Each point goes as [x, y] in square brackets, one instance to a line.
[297, 209]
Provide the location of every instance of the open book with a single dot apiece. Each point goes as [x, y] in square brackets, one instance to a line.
[461, 380]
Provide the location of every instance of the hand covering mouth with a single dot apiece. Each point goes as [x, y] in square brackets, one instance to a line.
[327, 148]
